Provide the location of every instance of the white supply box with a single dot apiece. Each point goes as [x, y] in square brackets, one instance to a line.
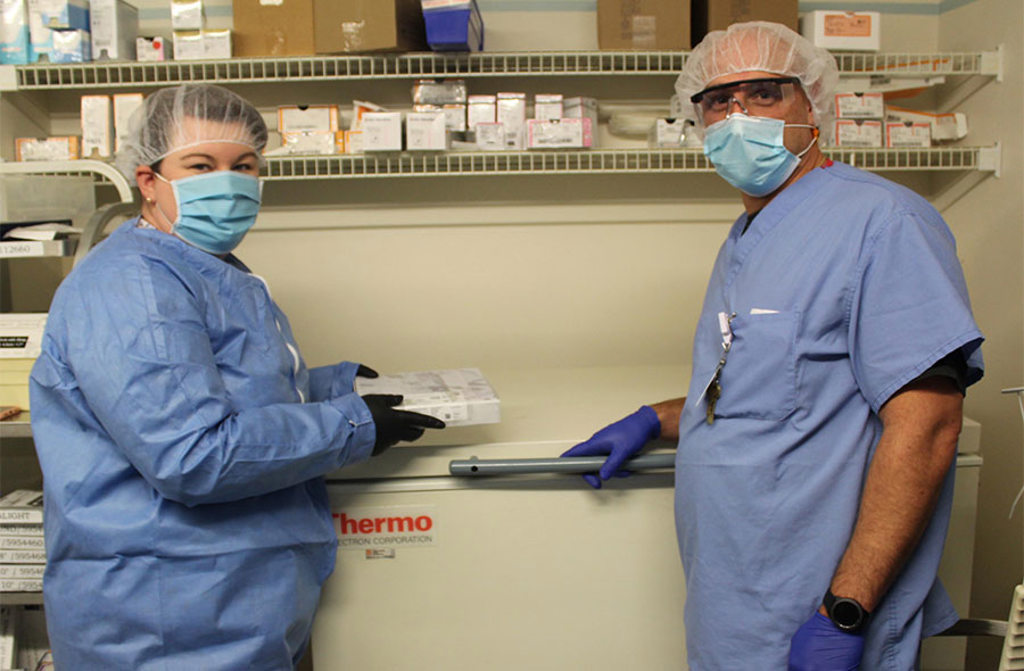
[490, 136]
[426, 131]
[125, 105]
[511, 112]
[40, 39]
[150, 49]
[667, 134]
[21, 334]
[582, 107]
[559, 134]
[59, 148]
[907, 134]
[115, 27]
[482, 109]
[860, 106]
[459, 397]
[97, 126]
[217, 44]
[187, 14]
[307, 118]
[548, 106]
[850, 31]
[948, 126]
[382, 131]
[858, 133]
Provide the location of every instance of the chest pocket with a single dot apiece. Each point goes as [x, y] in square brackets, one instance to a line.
[759, 377]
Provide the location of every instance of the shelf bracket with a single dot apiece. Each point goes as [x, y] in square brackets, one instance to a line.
[988, 166]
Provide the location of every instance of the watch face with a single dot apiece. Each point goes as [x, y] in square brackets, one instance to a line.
[846, 613]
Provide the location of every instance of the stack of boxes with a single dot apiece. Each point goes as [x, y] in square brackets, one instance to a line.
[859, 120]
[192, 39]
[67, 31]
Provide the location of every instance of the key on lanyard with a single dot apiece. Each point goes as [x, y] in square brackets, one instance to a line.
[714, 391]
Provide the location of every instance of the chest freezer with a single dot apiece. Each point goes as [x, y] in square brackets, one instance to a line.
[538, 571]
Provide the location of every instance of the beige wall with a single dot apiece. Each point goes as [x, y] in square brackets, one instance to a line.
[989, 226]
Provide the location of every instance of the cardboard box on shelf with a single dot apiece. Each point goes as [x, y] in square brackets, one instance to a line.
[453, 25]
[61, 148]
[482, 109]
[368, 25]
[279, 28]
[382, 131]
[426, 131]
[860, 105]
[152, 49]
[946, 126]
[558, 134]
[834, 29]
[306, 118]
[643, 24]
[125, 105]
[187, 14]
[711, 15]
[71, 46]
[65, 14]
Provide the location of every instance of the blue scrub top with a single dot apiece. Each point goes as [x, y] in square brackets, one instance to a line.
[845, 288]
[182, 441]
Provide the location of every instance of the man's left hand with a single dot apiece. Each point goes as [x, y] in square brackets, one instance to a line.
[819, 645]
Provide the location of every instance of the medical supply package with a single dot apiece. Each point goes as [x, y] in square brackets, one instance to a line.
[459, 397]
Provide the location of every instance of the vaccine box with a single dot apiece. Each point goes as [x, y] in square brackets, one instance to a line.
[558, 134]
[453, 25]
[548, 106]
[945, 127]
[307, 118]
[382, 131]
[511, 112]
[459, 397]
[152, 49]
[426, 131]
[908, 134]
[62, 148]
[186, 14]
[115, 27]
[857, 133]
[71, 46]
[481, 109]
[65, 14]
[125, 106]
[14, 32]
[860, 105]
[97, 126]
[847, 31]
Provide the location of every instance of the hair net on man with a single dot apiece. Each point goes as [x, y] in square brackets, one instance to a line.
[764, 47]
[175, 118]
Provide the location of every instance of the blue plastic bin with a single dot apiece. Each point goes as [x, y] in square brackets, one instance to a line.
[453, 25]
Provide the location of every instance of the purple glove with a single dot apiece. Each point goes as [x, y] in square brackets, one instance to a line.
[619, 441]
[819, 645]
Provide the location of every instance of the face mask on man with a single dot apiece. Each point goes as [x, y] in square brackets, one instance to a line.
[749, 152]
[215, 209]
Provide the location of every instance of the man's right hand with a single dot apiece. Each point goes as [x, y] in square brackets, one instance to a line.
[393, 425]
[620, 441]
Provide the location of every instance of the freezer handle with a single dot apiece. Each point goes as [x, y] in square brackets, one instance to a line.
[474, 467]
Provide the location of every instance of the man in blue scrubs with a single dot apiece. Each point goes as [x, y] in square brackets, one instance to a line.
[817, 442]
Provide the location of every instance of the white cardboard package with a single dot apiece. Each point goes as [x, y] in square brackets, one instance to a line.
[459, 397]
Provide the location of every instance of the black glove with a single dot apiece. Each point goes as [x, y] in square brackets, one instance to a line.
[366, 371]
[394, 425]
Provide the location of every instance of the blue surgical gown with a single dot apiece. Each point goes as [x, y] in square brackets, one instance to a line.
[845, 288]
[182, 442]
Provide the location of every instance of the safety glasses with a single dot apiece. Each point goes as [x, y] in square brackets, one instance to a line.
[754, 96]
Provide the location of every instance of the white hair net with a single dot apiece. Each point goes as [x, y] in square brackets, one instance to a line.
[174, 118]
[764, 47]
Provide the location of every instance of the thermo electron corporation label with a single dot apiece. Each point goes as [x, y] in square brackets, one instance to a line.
[385, 527]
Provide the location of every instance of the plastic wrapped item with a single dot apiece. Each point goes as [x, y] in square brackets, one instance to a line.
[490, 136]
[439, 91]
[14, 33]
[71, 46]
[481, 109]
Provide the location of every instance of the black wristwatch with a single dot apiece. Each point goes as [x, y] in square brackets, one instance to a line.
[846, 614]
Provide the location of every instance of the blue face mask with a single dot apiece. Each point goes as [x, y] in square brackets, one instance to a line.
[215, 210]
[749, 152]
